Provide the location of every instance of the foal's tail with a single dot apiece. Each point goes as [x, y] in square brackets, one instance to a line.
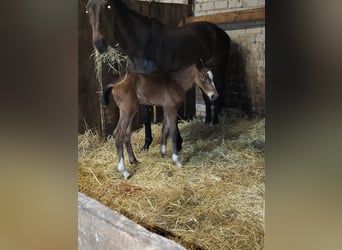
[105, 95]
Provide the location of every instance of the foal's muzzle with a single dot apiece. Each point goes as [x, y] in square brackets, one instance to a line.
[100, 45]
[212, 96]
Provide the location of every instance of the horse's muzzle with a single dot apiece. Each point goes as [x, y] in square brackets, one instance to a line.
[100, 45]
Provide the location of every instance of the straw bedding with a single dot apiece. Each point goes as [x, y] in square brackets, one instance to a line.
[216, 201]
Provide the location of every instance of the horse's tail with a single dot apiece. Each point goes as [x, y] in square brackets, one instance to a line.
[105, 95]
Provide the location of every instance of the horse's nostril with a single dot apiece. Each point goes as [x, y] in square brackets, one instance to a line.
[100, 45]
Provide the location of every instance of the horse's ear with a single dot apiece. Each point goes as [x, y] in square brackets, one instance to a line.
[200, 64]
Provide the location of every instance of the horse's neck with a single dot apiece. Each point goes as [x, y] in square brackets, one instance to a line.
[186, 77]
[126, 21]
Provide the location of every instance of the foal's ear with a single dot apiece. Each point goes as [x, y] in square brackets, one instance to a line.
[200, 64]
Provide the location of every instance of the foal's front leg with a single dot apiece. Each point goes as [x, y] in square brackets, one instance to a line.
[174, 147]
[165, 134]
[171, 121]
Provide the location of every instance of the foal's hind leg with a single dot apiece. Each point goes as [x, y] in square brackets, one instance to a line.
[171, 117]
[128, 144]
[119, 134]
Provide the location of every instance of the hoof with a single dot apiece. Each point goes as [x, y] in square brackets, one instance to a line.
[147, 144]
[176, 161]
[134, 161]
[126, 174]
[179, 164]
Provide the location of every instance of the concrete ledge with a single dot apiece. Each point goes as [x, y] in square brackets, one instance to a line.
[99, 227]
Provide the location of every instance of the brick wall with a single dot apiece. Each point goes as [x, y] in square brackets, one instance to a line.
[245, 86]
[207, 7]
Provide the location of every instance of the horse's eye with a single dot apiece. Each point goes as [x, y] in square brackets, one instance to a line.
[108, 6]
[202, 79]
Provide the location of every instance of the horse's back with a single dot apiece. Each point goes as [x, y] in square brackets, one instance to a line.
[217, 40]
[201, 40]
[209, 30]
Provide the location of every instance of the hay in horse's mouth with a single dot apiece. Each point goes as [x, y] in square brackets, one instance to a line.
[216, 199]
[113, 59]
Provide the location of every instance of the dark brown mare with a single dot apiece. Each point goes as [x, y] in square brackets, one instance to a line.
[167, 91]
[153, 47]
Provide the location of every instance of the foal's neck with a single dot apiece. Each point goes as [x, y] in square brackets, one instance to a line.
[186, 77]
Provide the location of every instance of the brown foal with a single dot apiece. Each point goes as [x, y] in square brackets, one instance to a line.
[167, 91]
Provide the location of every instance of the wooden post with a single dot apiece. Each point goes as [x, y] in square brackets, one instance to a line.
[102, 116]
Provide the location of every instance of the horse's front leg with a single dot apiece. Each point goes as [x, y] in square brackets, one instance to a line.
[217, 108]
[179, 139]
[207, 103]
[147, 110]
[219, 84]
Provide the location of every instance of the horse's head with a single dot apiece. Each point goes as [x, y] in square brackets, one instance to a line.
[205, 80]
[99, 13]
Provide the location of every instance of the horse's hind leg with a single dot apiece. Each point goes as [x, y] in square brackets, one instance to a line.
[147, 110]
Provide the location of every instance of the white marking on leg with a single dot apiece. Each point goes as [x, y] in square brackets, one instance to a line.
[163, 149]
[175, 159]
[122, 168]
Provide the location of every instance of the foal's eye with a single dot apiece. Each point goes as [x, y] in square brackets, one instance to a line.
[109, 7]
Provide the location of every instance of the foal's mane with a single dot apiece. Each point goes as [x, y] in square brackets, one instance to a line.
[185, 75]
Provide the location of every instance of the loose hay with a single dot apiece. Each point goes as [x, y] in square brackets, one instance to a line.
[112, 58]
[216, 201]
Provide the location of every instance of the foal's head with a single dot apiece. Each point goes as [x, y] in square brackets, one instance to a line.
[99, 13]
[205, 80]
